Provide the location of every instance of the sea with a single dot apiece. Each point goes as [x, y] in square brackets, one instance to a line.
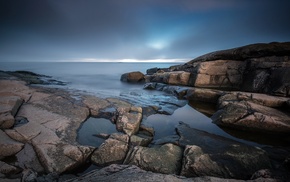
[102, 79]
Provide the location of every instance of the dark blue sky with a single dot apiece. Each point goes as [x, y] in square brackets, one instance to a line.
[71, 30]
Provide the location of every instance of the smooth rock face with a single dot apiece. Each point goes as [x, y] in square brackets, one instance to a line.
[212, 155]
[129, 119]
[250, 116]
[220, 74]
[165, 159]
[8, 147]
[140, 140]
[136, 76]
[113, 150]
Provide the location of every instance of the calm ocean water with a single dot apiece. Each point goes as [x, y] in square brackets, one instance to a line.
[103, 79]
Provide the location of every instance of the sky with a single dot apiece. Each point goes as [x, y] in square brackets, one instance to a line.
[136, 30]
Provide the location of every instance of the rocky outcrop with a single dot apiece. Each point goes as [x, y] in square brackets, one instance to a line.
[136, 76]
[212, 155]
[262, 68]
[165, 159]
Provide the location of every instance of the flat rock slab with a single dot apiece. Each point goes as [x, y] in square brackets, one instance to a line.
[212, 155]
[165, 159]
[253, 117]
[113, 150]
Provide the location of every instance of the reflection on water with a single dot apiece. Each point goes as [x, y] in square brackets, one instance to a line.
[93, 126]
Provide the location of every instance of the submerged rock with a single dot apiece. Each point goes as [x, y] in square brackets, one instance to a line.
[207, 154]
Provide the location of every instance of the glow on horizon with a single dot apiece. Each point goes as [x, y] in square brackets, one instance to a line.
[128, 60]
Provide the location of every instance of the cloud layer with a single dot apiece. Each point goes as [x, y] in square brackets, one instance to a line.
[46, 30]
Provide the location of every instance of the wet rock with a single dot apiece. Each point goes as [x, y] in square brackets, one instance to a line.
[250, 116]
[8, 147]
[117, 103]
[174, 139]
[207, 154]
[129, 119]
[164, 159]
[113, 150]
[149, 131]
[140, 140]
[136, 76]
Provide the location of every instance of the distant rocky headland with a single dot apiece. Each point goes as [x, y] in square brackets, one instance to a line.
[250, 87]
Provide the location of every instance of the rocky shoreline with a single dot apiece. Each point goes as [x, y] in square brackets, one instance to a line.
[39, 125]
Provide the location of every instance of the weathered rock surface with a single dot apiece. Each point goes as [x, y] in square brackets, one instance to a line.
[174, 78]
[140, 140]
[165, 159]
[8, 147]
[129, 119]
[212, 155]
[95, 104]
[262, 68]
[251, 116]
[136, 76]
[128, 173]
[112, 151]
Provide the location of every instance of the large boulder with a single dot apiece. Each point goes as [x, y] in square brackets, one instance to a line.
[164, 159]
[173, 78]
[207, 154]
[112, 151]
[135, 76]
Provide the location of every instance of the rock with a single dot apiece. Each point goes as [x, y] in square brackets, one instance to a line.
[61, 157]
[173, 78]
[8, 169]
[113, 150]
[250, 116]
[220, 74]
[29, 175]
[27, 158]
[6, 120]
[129, 119]
[9, 106]
[165, 159]
[174, 139]
[117, 103]
[95, 104]
[140, 140]
[132, 77]
[8, 147]
[207, 154]
[15, 88]
[204, 95]
[146, 130]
